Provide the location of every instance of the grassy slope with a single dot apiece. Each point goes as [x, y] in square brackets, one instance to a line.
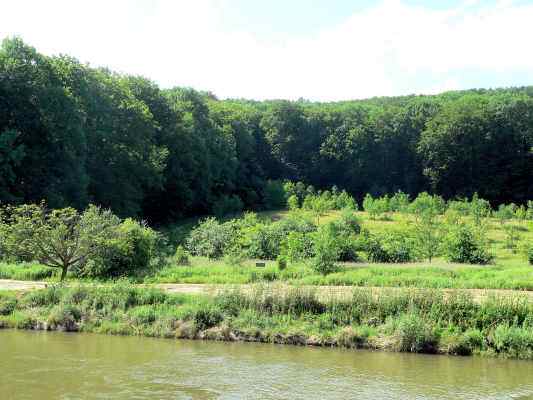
[510, 270]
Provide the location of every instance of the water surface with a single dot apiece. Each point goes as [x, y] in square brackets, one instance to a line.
[49, 365]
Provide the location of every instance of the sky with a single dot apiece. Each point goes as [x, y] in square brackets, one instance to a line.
[321, 50]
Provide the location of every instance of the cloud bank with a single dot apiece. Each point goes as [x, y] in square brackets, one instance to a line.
[391, 48]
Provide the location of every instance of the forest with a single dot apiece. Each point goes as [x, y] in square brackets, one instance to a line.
[75, 135]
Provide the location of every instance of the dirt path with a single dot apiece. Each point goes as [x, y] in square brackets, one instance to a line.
[324, 292]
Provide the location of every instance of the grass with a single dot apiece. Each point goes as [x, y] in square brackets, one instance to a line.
[510, 270]
[404, 320]
[27, 272]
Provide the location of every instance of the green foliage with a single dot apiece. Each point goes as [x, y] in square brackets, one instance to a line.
[281, 262]
[427, 204]
[227, 205]
[505, 212]
[399, 202]
[264, 241]
[293, 202]
[463, 244]
[416, 335]
[299, 246]
[427, 227]
[393, 247]
[211, 238]
[512, 236]
[161, 154]
[181, 256]
[128, 253]
[326, 250]
[274, 195]
[60, 238]
[376, 207]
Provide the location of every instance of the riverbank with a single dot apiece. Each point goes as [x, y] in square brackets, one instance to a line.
[419, 321]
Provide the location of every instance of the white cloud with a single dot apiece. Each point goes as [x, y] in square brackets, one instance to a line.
[383, 50]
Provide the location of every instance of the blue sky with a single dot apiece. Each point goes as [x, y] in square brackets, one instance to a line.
[316, 49]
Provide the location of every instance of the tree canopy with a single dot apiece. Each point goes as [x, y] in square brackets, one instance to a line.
[72, 135]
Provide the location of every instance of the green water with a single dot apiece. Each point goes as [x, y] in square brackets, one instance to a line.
[41, 365]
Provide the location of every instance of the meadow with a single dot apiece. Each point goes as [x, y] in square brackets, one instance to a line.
[279, 246]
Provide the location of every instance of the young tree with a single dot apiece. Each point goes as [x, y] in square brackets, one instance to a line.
[60, 238]
[428, 232]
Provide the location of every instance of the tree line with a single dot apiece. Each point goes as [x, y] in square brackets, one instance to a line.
[74, 135]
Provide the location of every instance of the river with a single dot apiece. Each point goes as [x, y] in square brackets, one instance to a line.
[50, 365]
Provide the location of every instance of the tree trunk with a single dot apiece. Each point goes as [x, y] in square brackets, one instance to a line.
[64, 272]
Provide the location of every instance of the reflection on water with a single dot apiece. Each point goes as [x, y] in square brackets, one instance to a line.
[45, 365]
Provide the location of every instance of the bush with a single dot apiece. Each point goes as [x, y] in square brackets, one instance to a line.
[299, 246]
[128, 253]
[343, 200]
[415, 335]
[375, 207]
[207, 316]
[462, 246]
[211, 238]
[326, 250]
[293, 203]
[512, 340]
[7, 304]
[393, 247]
[425, 203]
[264, 241]
[399, 202]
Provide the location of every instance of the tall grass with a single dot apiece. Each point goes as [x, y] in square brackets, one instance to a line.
[26, 272]
[401, 320]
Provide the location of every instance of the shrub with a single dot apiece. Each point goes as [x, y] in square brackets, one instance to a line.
[346, 229]
[479, 208]
[399, 202]
[264, 241]
[348, 223]
[512, 236]
[299, 246]
[415, 335]
[425, 202]
[512, 340]
[211, 238]
[207, 316]
[326, 250]
[428, 227]
[293, 202]
[462, 207]
[393, 247]
[128, 253]
[7, 304]
[343, 200]
[375, 207]
[505, 212]
[462, 246]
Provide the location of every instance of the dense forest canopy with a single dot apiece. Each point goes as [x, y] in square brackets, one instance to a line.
[74, 135]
